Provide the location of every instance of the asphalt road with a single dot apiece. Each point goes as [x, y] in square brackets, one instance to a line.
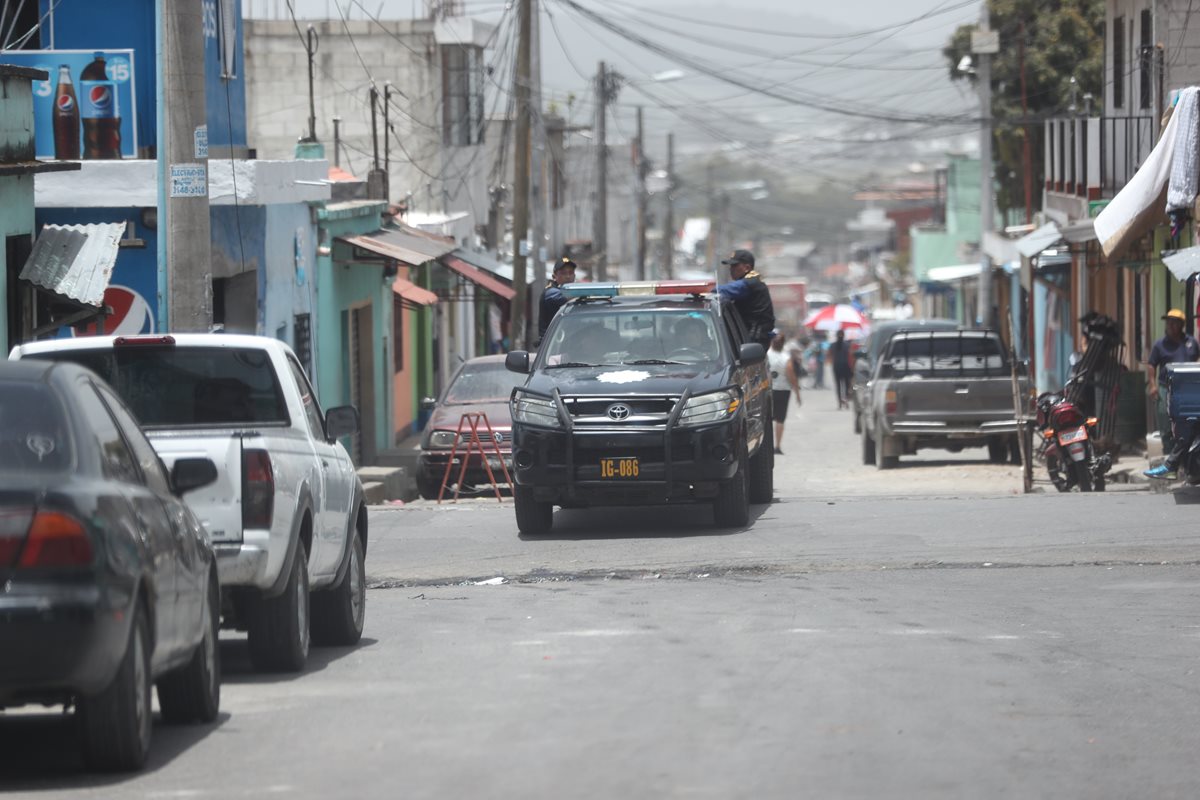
[923, 632]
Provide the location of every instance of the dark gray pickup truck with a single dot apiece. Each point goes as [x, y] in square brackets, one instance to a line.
[940, 389]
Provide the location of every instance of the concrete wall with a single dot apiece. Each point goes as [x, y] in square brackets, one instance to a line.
[406, 53]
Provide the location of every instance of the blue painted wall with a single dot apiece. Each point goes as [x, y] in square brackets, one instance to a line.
[129, 24]
[290, 272]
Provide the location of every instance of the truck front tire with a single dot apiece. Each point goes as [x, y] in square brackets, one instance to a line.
[338, 614]
[534, 518]
[731, 509]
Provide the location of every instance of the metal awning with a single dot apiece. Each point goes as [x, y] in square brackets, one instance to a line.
[75, 261]
[1183, 263]
[413, 293]
[956, 272]
[479, 277]
[1031, 244]
[406, 246]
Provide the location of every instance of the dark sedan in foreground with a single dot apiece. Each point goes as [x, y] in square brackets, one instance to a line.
[107, 581]
[481, 385]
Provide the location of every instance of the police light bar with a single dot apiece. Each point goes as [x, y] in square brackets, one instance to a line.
[637, 288]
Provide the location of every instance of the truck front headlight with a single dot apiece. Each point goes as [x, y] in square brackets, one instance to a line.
[710, 407]
[531, 410]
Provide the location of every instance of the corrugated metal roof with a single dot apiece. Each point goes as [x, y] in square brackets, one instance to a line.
[414, 248]
[75, 261]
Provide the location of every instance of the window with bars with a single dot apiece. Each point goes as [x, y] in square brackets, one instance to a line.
[1145, 59]
[1118, 62]
[462, 96]
[302, 341]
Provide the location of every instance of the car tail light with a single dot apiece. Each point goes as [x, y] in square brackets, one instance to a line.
[889, 403]
[14, 524]
[56, 540]
[258, 489]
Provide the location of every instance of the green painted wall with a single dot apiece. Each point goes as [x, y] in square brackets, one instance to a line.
[16, 219]
[341, 287]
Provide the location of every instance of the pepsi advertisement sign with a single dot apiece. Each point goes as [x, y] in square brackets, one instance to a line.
[87, 109]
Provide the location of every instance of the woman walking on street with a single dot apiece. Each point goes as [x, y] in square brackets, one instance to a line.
[843, 370]
[784, 382]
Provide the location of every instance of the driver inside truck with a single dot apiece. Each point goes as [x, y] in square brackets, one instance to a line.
[692, 334]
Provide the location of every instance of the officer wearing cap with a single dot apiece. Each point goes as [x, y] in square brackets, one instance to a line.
[750, 295]
[1173, 348]
[554, 298]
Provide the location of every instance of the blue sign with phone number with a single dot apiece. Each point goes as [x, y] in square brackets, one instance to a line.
[119, 67]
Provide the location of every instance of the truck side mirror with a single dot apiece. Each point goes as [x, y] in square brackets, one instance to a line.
[751, 353]
[341, 421]
[517, 361]
[428, 403]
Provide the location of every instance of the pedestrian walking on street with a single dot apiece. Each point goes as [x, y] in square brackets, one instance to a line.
[843, 370]
[784, 383]
[750, 296]
[817, 351]
[1174, 348]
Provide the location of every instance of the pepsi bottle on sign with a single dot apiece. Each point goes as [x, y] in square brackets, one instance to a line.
[100, 112]
[66, 118]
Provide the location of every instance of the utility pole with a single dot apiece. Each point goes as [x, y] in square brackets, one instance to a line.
[311, 48]
[640, 165]
[521, 176]
[537, 160]
[377, 188]
[985, 43]
[1026, 145]
[669, 216]
[185, 277]
[337, 141]
[387, 132]
[600, 223]
[711, 249]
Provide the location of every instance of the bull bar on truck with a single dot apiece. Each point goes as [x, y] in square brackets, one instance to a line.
[569, 429]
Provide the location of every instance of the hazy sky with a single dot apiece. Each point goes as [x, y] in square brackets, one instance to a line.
[853, 54]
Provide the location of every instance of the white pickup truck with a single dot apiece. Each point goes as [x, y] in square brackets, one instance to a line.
[287, 514]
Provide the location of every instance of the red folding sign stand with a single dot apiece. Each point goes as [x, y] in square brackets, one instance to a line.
[472, 420]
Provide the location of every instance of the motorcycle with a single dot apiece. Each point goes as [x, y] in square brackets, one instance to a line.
[1066, 445]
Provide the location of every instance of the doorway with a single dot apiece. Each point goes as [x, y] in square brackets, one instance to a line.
[362, 382]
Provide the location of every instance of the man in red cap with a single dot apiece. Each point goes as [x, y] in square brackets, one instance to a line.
[1173, 348]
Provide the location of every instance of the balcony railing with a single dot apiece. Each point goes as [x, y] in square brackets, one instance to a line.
[1094, 157]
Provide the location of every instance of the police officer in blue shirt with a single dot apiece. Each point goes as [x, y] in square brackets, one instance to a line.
[553, 298]
[750, 296]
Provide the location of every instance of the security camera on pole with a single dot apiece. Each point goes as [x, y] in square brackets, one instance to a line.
[985, 43]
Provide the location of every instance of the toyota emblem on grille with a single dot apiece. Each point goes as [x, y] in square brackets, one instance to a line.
[618, 411]
[498, 436]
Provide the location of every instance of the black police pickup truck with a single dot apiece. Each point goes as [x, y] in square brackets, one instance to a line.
[642, 394]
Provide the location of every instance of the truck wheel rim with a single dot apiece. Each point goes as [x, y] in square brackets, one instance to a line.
[210, 647]
[302, 608]
[357, 588]
[140, 711]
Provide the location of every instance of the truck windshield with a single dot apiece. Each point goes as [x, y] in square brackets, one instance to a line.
[170, 387]
[946, 354]
[632, 336]
[33, 430]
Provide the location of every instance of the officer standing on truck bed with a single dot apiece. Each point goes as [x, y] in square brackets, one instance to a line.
[750, 295]
[553, 298]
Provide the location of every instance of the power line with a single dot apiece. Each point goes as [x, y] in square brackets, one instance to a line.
[809, 100]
